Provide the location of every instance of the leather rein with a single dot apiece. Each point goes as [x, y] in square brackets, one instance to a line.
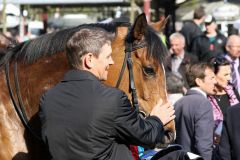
[128, 62]
[18, 102]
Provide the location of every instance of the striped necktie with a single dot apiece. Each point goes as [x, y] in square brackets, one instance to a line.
[234, 75]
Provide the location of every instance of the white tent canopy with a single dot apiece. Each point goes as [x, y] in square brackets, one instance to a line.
[220, 10]
[13, 13]
[226, 11]
[70, 20]
[11, 9]
[56, 2]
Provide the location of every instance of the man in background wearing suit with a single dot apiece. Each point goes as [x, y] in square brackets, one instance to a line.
[229, 147]
[233, 54]
[194, 115]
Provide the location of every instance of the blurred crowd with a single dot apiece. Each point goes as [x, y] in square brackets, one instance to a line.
[203, 82]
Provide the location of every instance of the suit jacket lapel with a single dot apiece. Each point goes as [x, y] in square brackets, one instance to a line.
[169, 62]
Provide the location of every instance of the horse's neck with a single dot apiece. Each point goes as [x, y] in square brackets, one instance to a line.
[38, 77]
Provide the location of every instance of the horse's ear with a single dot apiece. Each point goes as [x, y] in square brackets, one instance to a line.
[139, 26]
[160, 25]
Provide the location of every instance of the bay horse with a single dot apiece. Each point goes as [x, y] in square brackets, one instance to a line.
[30, 68]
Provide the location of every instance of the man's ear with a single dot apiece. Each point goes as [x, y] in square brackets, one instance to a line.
[88, 61]
[198, 81]
[227, 48]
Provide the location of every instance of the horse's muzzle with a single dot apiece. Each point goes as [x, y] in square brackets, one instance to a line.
[169, 135]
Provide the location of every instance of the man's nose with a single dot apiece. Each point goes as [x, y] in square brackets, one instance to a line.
[229, 78]
[214, 81]
[111, 61]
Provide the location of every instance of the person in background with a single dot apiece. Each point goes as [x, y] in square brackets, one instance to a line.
[229, 148]
[211, 43]
[178, 59]
[175, 87]
[232, 55]
[224, 97]
[193, 28]
[93, 120]
[194, 114]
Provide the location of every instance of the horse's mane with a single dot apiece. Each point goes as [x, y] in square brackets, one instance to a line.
[49, 44]
[55, 42]
[156, 48]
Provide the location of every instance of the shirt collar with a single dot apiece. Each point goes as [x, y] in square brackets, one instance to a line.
[181, 56]
[79, 75]
[236, 61]
[199, 90]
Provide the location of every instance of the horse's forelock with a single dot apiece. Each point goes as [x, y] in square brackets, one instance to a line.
[155, 49]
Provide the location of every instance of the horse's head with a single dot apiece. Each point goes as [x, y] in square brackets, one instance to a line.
[147, 54]
[147, 61]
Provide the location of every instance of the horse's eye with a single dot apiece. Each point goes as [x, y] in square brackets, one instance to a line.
[148, 70]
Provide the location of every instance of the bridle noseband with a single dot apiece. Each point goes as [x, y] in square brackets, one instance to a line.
[129, 48]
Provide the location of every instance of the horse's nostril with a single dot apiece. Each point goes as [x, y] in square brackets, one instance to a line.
[170, 136]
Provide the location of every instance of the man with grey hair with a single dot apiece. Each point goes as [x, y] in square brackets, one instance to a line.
[91, 119]
[233, 54]
[175, 63]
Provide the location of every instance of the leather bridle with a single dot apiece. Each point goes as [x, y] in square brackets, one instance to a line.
[129, 48]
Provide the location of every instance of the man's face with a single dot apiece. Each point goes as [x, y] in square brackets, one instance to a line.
[211, 27]
[202, 19]
[177, 46]
[233, 48]
[208, 83]
[102, 62]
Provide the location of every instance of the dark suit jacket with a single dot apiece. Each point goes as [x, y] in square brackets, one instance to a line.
[231, 61]
[229, 148]
[83, 119]
[187, 59]
[194, 124]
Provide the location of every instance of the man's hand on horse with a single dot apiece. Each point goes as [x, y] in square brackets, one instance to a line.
[165, 112]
